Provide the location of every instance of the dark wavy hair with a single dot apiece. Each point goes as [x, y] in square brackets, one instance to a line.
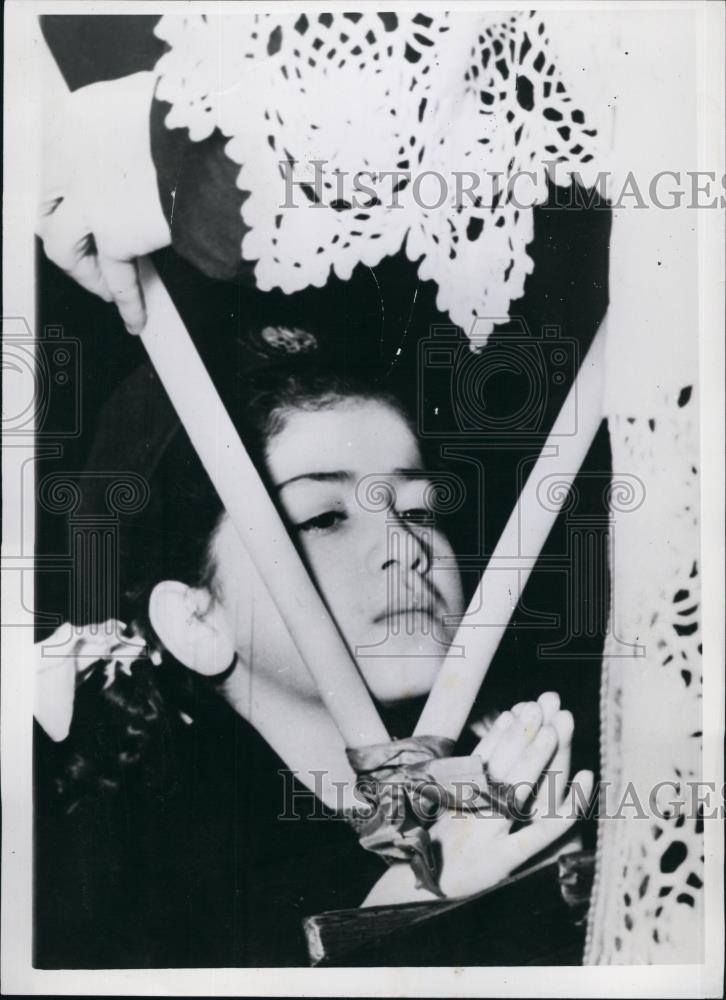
[128, 733]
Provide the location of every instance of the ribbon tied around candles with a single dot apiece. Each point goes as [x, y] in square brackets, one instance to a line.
[406, 784]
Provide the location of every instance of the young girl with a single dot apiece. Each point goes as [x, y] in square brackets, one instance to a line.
[215, 831]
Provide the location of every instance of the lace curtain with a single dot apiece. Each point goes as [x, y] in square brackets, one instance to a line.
[424, 93]
[648, 900]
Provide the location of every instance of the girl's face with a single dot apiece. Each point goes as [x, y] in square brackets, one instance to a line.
[351, 480]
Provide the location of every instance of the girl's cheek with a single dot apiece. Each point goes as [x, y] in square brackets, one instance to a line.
[337, 567]
[441, 544]
[331, 561]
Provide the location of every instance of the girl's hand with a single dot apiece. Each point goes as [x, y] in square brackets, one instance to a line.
[528, 748]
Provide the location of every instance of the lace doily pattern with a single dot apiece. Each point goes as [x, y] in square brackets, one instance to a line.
[648, 900]
[408, 92]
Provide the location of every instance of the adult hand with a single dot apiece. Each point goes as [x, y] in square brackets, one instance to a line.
[100, 208]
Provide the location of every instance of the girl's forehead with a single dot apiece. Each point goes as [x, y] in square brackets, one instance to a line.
[357, 436]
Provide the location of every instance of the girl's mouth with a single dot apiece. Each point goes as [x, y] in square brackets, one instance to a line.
[390, 614]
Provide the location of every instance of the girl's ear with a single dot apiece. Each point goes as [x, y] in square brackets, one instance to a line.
[192, 627]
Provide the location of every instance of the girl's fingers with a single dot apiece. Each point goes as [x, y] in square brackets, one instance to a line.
[485, 746]
[513, 741]
[545, 831]
[552, 792]
[549, 702]
[527, 769]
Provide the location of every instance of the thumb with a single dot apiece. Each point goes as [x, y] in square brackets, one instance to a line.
[577, 799]
[544, 831]
[122, 280]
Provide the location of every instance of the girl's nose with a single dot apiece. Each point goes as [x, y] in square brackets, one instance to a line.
[402, 546]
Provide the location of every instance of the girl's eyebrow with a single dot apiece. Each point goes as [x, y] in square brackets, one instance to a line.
[417, 473]
[339, 476]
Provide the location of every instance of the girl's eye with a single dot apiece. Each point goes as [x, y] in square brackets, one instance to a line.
[323, 522]
[417, 515]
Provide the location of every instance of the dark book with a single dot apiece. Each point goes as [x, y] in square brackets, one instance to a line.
[534, 918]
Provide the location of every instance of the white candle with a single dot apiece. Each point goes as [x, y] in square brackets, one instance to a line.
[245, 498]
[501, 586]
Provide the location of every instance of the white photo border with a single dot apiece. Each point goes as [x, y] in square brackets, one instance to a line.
[21, 165]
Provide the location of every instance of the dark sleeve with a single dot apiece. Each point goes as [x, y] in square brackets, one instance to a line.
[200, 198]
[92, 48]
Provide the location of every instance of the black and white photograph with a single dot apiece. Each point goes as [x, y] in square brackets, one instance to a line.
[363, 501]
